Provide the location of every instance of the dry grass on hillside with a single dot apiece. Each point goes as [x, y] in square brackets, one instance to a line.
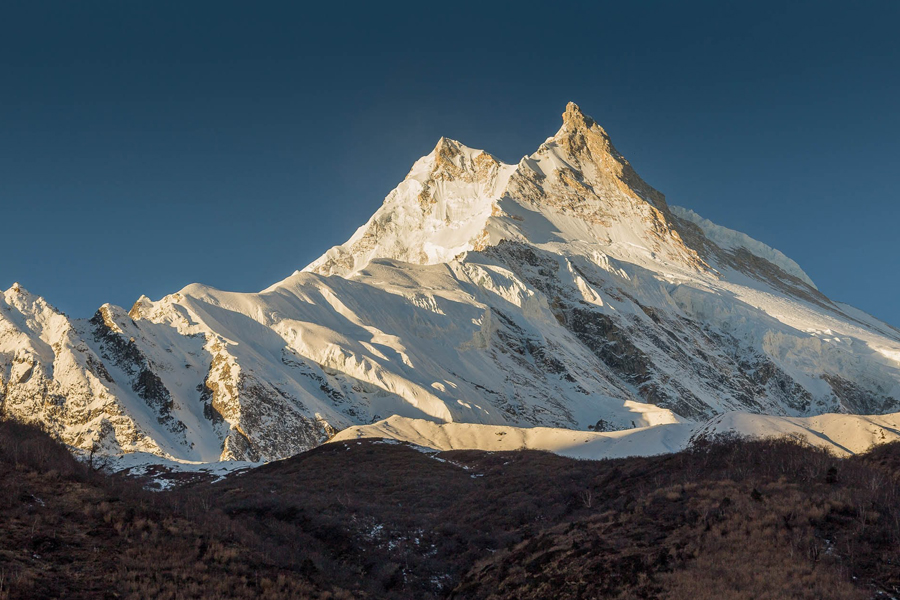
[732, 519]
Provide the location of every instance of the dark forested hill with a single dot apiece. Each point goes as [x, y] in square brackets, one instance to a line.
[732, 519]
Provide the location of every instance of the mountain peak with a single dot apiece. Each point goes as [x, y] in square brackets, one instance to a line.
[457, 199]
[446, 144]
[581, 134]
[449, 157]
[586, 143]
[448, 201]
[575, 117]
[437, 212]
[16, 289]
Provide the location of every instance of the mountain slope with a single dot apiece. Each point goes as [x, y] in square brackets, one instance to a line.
[562, 291]
[840, 434]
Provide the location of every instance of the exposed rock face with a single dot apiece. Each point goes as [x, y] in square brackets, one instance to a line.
[560, 291]
[49, 373]
[125, 354]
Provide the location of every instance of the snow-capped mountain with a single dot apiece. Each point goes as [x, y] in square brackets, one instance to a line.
[562, 291]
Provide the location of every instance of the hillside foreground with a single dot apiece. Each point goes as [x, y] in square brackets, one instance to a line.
[731, 518]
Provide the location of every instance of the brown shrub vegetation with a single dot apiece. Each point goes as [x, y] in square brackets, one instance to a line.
[70, 532]
[728, 519]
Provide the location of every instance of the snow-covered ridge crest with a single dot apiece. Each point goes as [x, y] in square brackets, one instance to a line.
[841, 434]
[728, 239]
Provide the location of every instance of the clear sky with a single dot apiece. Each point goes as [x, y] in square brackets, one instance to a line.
[148, 145]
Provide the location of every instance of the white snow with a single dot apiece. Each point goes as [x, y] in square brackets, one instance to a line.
[841, 434]
[430, 217]
[729, 239]
[644, 441]
[139, 464]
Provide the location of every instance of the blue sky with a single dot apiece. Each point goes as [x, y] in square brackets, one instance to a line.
[145, 146]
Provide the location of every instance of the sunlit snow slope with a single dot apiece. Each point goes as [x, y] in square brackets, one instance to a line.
[561, 292]
[841, 434]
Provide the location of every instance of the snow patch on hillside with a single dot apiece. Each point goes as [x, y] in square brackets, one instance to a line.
[843, 435]
[644, 441]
